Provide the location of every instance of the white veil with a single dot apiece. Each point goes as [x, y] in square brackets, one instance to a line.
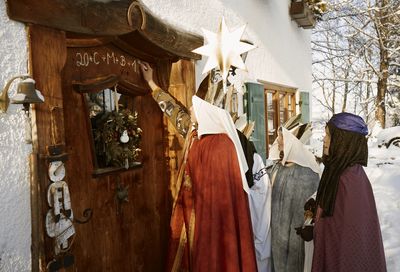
[294, 151]
[214, 120]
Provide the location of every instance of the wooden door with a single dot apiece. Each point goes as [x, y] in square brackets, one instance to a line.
[135, 238]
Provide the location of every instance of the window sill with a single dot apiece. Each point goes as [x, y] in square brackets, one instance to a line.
[114, 170]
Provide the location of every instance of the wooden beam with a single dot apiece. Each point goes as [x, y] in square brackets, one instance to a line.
[114, 18]
[37, 247]
[177, 41]
[277, 87]
[95, 84]
[80, 16]
[286, 106]
[88, 42]
[48, 54]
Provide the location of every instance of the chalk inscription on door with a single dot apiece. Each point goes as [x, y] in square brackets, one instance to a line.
[102, 58]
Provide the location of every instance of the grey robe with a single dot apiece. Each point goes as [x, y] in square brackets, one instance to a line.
[293, 185]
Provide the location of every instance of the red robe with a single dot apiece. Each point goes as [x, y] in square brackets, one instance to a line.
[217, 228]
[350, 240]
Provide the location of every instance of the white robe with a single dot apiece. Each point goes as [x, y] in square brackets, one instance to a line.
[260, 210]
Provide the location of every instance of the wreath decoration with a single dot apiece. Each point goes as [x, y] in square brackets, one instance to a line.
[118, 137]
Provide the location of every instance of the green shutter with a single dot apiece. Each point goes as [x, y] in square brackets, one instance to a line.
[256, 113]
[305, 106]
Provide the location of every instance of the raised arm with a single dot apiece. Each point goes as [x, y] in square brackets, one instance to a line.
[176, 113]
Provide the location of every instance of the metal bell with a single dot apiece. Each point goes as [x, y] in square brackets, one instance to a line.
[27, 94]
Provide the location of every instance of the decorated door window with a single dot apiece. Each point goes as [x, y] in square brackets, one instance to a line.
[115, 130]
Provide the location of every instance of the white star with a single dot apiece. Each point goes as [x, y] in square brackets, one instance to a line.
[223, 49]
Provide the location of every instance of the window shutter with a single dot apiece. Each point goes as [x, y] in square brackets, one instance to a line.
[305, 106]
[256, 113]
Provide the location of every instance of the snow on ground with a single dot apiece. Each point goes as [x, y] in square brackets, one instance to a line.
[383, 171]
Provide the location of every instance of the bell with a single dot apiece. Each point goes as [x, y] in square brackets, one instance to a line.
[27, 94]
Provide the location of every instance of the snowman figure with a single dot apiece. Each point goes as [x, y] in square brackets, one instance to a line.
[124, 137]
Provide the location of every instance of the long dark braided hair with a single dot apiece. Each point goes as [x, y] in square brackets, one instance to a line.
[346, 149]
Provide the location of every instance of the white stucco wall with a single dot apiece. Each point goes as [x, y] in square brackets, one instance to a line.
[283, 55]
[15, 217]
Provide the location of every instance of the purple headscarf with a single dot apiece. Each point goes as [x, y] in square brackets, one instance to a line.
[350, 122]
[348, 147]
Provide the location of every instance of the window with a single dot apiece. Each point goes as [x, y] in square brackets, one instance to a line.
[115, 131]
[270, 110]
[280, 104]
[291, 105]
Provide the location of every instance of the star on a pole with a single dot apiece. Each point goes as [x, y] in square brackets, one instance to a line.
[223, 49]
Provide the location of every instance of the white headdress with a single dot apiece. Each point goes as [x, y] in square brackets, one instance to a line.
[214, 120]
[294, 151]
